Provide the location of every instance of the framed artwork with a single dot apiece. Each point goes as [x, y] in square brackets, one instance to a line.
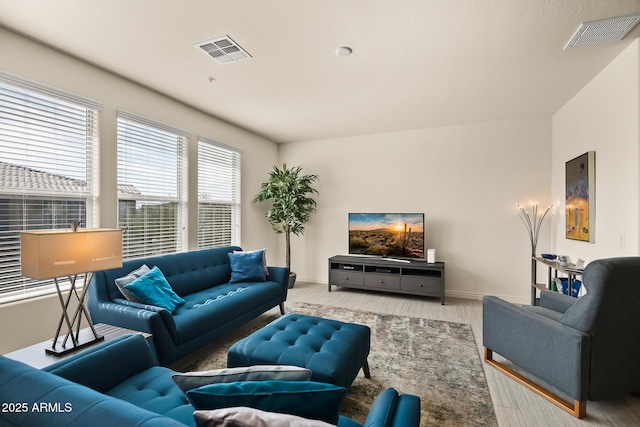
[580, 202]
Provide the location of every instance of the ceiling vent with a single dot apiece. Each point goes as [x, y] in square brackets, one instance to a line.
[224, 50]
[603, 31]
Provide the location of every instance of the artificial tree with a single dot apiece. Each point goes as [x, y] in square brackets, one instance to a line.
[290, 193]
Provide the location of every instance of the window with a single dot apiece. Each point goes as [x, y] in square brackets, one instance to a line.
[218, 194]
[48, 171]
[152, 192]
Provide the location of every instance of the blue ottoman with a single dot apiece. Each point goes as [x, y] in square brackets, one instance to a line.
[334, 351]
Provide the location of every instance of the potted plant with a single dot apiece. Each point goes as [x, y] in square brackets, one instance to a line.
[291, 204]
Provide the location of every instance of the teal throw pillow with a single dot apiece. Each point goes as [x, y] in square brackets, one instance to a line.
[306, 399]
[153, 288]
[247, 267]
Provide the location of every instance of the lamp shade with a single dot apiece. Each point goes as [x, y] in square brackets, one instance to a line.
[56, 253]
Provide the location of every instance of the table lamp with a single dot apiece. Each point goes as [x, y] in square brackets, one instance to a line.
[51, 254]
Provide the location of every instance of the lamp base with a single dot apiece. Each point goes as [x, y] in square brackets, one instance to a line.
[83, 341]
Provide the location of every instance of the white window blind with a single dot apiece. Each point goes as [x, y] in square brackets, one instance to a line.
[48, 171]
[152, 192]
[218, 194]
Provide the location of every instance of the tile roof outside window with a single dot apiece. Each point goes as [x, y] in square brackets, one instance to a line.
[16, 176]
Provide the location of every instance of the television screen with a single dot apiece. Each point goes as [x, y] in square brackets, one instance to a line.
[399, 235]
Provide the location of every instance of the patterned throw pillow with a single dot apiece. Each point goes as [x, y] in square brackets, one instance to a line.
[129, 278]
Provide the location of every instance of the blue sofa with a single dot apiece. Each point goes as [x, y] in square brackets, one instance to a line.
[213, 306]
[118, 384]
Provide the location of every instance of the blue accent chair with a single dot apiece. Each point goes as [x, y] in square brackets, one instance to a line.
[587, 348]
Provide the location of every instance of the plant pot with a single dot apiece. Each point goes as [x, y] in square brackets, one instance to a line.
[292, 279]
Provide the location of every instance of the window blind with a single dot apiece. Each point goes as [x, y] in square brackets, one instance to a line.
[152, 182]
[48, 171]
[218, 194]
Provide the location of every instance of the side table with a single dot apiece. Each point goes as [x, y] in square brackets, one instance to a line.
[36, 356]
[570, 270]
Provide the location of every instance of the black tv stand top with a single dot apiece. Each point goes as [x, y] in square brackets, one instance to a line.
[374, 259]
[398, 260]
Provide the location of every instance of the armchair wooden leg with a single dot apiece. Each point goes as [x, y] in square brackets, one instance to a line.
[281, 308]
[578, 409]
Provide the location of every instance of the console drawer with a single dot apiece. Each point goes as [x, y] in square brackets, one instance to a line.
[422, 285]
[382, 281]
[347, 278]
[347, 267]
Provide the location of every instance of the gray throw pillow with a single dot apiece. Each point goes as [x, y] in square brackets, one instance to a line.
[240, 416]
[121, 282]
[190, 380]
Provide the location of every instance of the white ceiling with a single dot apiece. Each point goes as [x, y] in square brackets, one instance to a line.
[415, 63]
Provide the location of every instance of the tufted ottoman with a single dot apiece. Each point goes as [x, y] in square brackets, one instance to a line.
[334, 351]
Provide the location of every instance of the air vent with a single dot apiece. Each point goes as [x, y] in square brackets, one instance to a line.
[603, 31]
[224, 50]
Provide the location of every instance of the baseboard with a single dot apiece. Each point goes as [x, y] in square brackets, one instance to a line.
[309, 279]
[453, 294]
[478, 296]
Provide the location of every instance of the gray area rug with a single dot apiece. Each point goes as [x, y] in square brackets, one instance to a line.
[435, 360]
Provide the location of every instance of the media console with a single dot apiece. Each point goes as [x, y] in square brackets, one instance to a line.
[380, 274]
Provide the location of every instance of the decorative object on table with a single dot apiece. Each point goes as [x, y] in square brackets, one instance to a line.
[562, 286]
[580, 197]
[431, 256]
[291, 204]
[550, 257]
[51, 254]
[563, 261]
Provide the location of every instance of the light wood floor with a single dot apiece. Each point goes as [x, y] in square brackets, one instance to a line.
[514, 405]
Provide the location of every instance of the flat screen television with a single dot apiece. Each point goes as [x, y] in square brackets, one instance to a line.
[393, 235]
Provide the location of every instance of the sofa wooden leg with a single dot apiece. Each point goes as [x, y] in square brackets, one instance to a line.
[281, 308]
[365, 369]
[578, 409]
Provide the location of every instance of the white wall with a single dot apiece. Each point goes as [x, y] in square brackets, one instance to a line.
[603, 117]
[34, 320]
[466, 179]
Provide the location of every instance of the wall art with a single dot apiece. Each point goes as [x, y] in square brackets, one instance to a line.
[580, 202]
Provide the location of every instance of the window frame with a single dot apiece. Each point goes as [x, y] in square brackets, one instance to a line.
[219, 185]
[55, 126]
[158, 137]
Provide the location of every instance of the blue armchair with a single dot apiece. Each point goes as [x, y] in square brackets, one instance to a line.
[588, 348]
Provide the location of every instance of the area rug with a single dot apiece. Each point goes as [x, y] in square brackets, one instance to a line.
[435, 360]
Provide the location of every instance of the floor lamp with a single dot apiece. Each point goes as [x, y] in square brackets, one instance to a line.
[52, 254]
